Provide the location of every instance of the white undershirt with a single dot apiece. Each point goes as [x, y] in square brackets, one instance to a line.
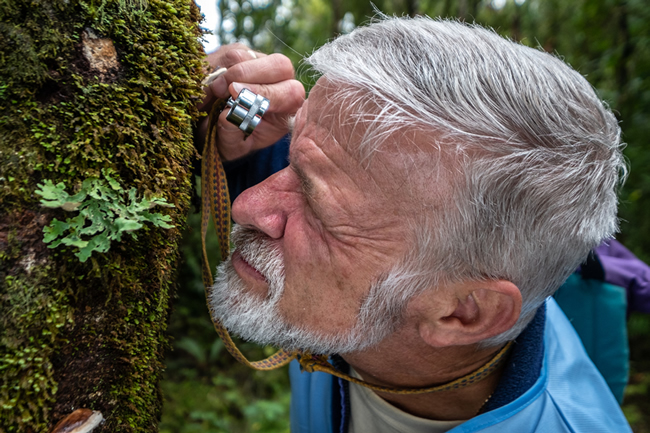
[372, 414]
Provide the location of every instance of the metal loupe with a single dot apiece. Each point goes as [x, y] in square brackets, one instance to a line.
[247, 110]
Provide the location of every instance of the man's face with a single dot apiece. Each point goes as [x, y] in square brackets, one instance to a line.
[314, 238]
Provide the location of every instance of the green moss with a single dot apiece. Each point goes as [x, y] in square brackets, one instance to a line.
[31, 320]
[91, 334]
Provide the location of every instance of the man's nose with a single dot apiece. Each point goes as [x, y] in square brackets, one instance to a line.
[265, 206]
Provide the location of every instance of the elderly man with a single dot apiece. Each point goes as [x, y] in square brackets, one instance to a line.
[442, 183]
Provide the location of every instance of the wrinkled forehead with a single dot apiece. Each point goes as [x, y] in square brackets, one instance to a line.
[348, 113]
[363, 127]
[411, 158]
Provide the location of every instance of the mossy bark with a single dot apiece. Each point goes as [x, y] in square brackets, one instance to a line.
[86, 86]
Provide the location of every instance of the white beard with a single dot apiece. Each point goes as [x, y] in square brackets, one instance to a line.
[259, 320]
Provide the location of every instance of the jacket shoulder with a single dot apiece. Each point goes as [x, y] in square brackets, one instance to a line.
[569, 396]
[311, 401]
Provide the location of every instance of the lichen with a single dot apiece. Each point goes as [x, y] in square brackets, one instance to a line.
[91, 334]
[105, 213]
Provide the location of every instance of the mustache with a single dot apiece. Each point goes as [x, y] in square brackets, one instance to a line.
[259, 250]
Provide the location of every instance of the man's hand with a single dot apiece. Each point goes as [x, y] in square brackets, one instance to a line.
[271, 76]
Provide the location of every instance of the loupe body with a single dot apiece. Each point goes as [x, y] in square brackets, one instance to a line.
[247, 110]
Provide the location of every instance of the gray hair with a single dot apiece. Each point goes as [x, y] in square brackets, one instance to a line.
[536, 154]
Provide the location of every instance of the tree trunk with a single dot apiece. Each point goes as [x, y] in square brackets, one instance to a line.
[462, 9]
[337, 16]
[446, 9]
[473, 10]
[86, 87]
[515, 28]
[627, 49]
[412, 7]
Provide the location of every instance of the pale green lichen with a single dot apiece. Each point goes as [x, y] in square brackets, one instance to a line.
[106, 212]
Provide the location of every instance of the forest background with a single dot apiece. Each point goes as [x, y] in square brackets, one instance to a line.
[608, 41]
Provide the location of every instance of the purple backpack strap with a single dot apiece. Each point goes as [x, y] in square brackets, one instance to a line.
[624, 269]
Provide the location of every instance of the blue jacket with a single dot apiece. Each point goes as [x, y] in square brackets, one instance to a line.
[597, 298]
[548, 386]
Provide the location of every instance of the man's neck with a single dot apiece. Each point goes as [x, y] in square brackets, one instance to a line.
[402, 361]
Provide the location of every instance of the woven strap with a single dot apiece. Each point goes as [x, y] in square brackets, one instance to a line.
[215, 201]
[313, 363]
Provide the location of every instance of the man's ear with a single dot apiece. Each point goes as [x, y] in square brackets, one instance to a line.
[473, 311]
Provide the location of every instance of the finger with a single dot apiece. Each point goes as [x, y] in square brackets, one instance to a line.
[285, 96]
[232, 54]
[264, 70]
[240, 55]
[269, 132]
[231, 140]
[233, 144]
[216, 58]
[209, 98]
[220, 61]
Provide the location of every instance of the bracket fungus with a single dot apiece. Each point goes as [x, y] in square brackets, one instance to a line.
[79, 421]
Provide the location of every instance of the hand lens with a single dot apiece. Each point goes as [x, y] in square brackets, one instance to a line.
[247, 110]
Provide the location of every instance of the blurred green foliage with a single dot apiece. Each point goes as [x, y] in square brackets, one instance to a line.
[608, 41]
[637, 404]
[205, 389]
